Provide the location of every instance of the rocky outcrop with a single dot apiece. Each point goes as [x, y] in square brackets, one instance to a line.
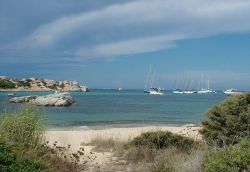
[57, 99]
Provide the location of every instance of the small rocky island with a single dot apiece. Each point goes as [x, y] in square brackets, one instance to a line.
[56, 99]
[36, 84]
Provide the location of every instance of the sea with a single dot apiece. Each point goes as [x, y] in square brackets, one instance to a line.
[102, 108]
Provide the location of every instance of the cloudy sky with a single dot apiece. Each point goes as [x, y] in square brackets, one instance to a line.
[112, 43]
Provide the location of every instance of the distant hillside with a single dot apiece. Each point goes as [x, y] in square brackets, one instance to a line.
[36, 84]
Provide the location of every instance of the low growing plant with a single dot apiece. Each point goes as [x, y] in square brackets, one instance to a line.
[9, 162]
[235, 158]
[162, 169]
[24, 147]
[24, 129]
[161, 140]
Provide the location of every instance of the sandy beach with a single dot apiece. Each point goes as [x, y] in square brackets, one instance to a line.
[77, 138]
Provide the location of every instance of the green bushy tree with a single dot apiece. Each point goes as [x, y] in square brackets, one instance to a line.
[227, 122]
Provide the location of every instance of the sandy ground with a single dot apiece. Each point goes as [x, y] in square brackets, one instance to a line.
[100, 160]
[76, 137]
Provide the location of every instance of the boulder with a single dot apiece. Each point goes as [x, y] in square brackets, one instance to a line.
[57, 99]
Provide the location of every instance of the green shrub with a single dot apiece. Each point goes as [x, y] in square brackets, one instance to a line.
[5, 156]
[228, 122]
[22, 133]
[6, 84]
[161, 140]
[235, 158]
[9, 162]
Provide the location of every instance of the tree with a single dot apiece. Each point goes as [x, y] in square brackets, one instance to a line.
[227, 122]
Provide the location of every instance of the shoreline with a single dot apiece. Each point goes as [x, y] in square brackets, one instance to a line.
[103, 126]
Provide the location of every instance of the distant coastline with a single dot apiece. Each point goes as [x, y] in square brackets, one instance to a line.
[38, 85]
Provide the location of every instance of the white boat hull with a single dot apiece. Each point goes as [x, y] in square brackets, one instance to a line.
[156, 93]
[232, 92]
[178, 92]
[188, 92]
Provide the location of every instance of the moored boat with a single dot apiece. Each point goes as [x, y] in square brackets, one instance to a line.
[11, 94]
[155, 91]
[232, 92]
[189, 92]
[178, 91]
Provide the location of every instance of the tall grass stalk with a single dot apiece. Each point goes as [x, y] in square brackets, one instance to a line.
[23, 128]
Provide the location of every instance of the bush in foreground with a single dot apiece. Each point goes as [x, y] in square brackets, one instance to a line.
[24, 147]
[24, 129]
[235, 158]
[161, 140]
[228, 122]
[9, 162]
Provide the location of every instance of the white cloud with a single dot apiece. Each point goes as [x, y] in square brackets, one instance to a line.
[139, 26]
[129, 47]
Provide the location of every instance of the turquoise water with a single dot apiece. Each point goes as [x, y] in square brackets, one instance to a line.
[127, 107]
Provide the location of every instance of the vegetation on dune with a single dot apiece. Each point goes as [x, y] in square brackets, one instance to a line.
[23, 129]
[163, 139]
[163, 151]
[235, 158]
[228, 122]
[162, 169]
[23, 147]
[10, 163]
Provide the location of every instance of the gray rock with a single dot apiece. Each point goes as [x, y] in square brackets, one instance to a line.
[57, 99]
[23, 99]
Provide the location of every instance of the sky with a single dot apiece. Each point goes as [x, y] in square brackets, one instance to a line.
[113, 43]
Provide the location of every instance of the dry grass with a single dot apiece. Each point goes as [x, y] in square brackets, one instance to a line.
[23, 132]
[145, 158]
[106, 145]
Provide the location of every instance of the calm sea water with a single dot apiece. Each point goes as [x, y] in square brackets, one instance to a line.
[125, 108]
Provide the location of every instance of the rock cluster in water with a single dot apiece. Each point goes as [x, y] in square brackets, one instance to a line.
[57, 99]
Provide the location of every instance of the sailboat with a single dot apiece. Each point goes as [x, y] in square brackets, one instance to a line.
[151, 90]
[205, 90]
[189, 90]
[155, 91]
[177, 90]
